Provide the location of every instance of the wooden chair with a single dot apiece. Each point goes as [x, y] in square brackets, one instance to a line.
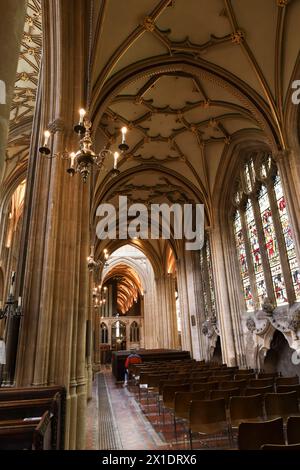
[252, 436]
[261, 382]
[267, 375]
[182, 405]
[245, 371]
[293, 430]
[240, 384]
[280, 447]
[289, 388]
[258, 390]
[244, 376]
[168, 397]
[225, 394]
[153, 383]
[281, 405]
[287, 380]
[207, 417]
[245, 409]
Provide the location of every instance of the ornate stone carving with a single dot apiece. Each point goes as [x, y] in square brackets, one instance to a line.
[268, 306]
[208, 329]
[148, 24]
[294, 321]
[250, 324]
[237, 37]
[282, 3]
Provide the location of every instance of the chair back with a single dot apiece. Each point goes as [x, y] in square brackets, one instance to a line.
[293, 430]
[287, 380]
[258, 390]
[169, 393]
[225, 394]
[281, 404]
[245, 408]
[183, 400]
[252, 436]
[261, 382]
[207, 416]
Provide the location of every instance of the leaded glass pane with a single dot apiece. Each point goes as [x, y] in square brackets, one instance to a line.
[288, 236]
[241, 250]
[255, 252]
[272, 246]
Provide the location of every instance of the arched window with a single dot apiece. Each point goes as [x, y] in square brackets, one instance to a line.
[207, 280]
[103, 333]
[263, 237]
[134, 332]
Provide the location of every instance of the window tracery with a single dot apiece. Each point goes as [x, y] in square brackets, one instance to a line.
[207, 278]
[263, 236]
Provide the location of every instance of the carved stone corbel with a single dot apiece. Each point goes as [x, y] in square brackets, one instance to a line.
[250, 324]
[268, 306]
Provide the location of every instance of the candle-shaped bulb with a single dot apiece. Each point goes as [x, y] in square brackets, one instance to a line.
[82, 113]
[124, 132]
[116, 156]
[12, 283]
[19, 301]
[47, 137]
[92, 251]
[72, 158]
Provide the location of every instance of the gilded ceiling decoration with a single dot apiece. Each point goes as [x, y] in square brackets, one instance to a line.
[185, 118]
[24, 100]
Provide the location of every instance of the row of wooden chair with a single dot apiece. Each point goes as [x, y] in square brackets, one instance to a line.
[209, 417]
[179, 401]
[269, 435]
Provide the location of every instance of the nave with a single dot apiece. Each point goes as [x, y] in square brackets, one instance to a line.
[199, 406]
[149, 202]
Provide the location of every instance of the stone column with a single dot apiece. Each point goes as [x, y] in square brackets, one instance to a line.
[181, 272]
[228, 309]
[165, 288]
[52, 346]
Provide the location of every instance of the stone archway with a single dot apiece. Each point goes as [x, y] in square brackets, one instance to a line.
[279, 357]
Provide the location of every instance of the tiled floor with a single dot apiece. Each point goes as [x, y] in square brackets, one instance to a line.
[136, 424]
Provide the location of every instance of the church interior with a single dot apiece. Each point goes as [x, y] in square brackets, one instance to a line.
[109, 109]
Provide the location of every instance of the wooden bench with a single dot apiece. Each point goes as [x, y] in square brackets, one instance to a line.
[36, 407]
[26, 435]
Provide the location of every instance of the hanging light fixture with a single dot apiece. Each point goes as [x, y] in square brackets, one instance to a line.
[82, 160]
[85, 157]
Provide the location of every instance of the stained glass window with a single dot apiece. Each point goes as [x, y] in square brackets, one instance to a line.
[271, 246]
[241, 249]
[208, 290]
[288, 236]
[257, 231]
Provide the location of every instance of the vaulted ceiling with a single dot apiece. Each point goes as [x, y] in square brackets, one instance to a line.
[188, 77]
[25, 91]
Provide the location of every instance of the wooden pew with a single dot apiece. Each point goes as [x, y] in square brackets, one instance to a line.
[20, 409]
[24, 435]
[34, 393]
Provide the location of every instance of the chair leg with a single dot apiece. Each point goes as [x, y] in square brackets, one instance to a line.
[191, 439]
[175, 427]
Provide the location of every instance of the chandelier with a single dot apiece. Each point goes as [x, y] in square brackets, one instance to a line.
[82, 161]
